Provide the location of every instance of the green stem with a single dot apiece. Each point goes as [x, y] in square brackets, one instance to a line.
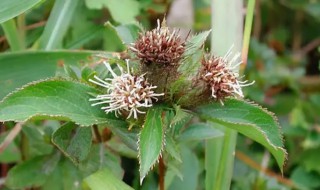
[21, 23]
[225, 168]
[227, 30]
[247, 31]
[12, 35]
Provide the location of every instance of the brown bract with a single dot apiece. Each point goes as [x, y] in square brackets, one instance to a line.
[159, 46]
[219, 77]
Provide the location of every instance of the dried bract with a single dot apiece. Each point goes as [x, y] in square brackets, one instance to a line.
[159, 46]
[219, 75]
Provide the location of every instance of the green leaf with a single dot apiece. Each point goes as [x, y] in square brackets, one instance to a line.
[61, 99]
[200, 131]
[123, 11]
[58, 24]
[189, 170]
[75, 142]
[172, 148]
[12, 8]
[151, 141]
[112, 40]
[36, 141]
[128, 32]
[305, 180]
[65, 176]
[104, 179]
[32, 172]
[195, 43]
[20, 68]
[250, 120]
[129, 138]
[11, 32]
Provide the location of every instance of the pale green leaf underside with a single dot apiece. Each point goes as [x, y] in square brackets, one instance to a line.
[250, 120]
[105, 179]
[65, 100]
[151, 141]
[12, 8]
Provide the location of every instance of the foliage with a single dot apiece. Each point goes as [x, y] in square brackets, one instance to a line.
[65, 143]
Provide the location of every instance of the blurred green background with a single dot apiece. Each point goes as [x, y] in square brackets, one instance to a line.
[284, 60]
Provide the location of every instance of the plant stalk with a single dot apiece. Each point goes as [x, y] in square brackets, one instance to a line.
[162, 171]
[14, 39]
[227, 22]
[247, 32]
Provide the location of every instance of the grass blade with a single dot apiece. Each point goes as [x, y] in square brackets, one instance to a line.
[12, 35]
[58, 24]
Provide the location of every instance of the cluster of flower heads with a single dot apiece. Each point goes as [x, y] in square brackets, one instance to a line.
[159, 45]
[130, 94]
[125, 92]
[219, 75]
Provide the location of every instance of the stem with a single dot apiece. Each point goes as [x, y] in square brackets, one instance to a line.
[247, 32]
[97, 133]
[21, 23]
[225, 169]
[162, 171]
[12, 35]
[227, 24]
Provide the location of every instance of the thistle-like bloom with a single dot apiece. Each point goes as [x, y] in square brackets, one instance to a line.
[125, 93]
[159, 46]
[220, 76]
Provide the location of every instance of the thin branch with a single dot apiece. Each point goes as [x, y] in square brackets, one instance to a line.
[307, 48]
[10, 137]
[247, 160]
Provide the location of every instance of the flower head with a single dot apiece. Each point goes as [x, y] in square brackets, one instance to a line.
[125, 93]
[159, 45]
[219, 75]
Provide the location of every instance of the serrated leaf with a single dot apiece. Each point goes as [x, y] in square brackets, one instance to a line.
[32, 172]
[104, 179]
[66, 100]
[199, 131]
[20, 68]
[250, 120]
[75, 142]
[195, 43]
[151, 141]
[12, 8]
[192, 55]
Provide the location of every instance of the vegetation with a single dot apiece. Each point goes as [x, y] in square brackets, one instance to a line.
[111, 95]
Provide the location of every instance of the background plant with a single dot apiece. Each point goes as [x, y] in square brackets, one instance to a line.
[73, 157]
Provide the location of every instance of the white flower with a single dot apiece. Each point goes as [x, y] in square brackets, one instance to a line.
[125, 92]
[221, 75]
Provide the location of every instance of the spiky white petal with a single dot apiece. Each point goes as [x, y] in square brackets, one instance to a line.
[126, 92]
